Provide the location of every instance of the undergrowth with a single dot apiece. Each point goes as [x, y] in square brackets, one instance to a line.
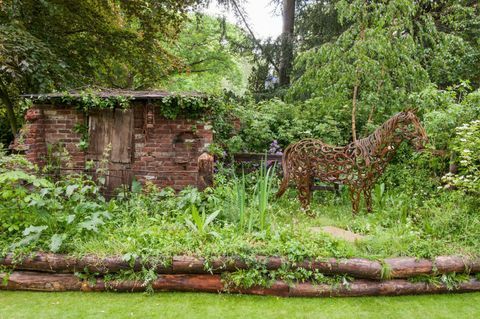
[238, 217]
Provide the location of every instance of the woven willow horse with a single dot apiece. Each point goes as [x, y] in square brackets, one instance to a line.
[357, 165]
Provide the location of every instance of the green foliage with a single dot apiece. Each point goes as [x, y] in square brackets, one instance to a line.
[272, 120]
[26, 60]
[262, 194]
[447, 109]
[82, 129]
[467, 145]
[71, 216]
[211, 57]
[240, 201]
[102, 42]
[51, 45]
[34, 210]
[13, 162]
[377, 54]
[189, 106]
[200, 223]
[172, 106]
[89, 100]
[261, 277]
[317, 23]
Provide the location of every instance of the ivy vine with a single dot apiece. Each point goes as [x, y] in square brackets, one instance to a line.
[171, 107]
[199, 107]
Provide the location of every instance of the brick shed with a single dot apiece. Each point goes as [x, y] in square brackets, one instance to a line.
[136, 139]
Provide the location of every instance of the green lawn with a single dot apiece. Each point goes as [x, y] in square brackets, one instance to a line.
[195, 305]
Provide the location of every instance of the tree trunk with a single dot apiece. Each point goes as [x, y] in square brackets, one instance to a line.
[267, 55]
[9, 107]
[287, 41]
[354, 111]
[355, 90]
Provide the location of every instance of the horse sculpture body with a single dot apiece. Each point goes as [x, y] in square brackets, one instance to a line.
[357, 164]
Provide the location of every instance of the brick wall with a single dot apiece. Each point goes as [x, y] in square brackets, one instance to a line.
[165, 152]
[59, 125]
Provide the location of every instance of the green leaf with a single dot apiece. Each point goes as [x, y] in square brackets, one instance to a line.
[196, 217]
[56, 242]
[70, 189]
[70, 219]
[211, 217]
[136, 187]
[33, 230]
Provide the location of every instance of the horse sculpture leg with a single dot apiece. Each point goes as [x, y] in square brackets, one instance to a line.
[304, 186]
[355, 199]
[283, 187]
[367, 193]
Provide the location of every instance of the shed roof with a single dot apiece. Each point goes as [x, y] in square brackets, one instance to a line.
[108, 93]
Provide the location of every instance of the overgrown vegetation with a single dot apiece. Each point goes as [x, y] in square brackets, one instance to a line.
[356, 63]
[238, 217]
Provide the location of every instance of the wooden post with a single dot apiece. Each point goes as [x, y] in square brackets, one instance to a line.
[205, 171]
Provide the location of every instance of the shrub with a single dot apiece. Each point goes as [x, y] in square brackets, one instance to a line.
[467, 146]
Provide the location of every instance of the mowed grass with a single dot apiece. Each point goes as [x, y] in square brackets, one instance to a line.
[198, 305]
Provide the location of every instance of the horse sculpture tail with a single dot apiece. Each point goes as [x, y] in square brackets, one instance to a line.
[286, 177]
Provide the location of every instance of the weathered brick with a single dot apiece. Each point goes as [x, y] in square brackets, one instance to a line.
[157, 154]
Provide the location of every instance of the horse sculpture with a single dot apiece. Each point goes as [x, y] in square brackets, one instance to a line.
[357, 165]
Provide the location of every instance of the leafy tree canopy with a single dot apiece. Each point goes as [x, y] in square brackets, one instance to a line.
[389, 51]
[57, 44]
[213, 56]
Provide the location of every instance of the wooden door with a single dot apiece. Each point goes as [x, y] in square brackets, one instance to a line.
[111, 138]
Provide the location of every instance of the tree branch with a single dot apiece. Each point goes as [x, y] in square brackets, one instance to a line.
[255, 40]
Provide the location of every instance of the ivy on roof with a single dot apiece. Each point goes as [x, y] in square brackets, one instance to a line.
[191, 105]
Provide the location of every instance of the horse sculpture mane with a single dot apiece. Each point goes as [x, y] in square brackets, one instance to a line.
[357, 165]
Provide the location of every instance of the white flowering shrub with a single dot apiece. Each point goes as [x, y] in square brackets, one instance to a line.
[467, 145]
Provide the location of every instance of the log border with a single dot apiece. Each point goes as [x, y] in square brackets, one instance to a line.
[390, 268]
[36, 281]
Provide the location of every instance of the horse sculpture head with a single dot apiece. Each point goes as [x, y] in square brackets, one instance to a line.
[413, 130]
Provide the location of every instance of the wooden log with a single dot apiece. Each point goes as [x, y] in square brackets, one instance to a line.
[198, 265]
[394, 287]
[278, 288]
[41, 262]
[205, 171]
[355, 267]
[183, 282]
[188, 265]
[36, 281]
[58, 263]
[25, 280]
[204, 283]
[402, 267]
[406, 267]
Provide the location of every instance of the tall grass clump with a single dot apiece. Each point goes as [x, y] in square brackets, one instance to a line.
[262, 193]
[250, 201]
[240, 200]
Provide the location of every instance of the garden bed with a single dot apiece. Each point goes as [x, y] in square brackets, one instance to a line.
[394, 276]
[235, 237]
